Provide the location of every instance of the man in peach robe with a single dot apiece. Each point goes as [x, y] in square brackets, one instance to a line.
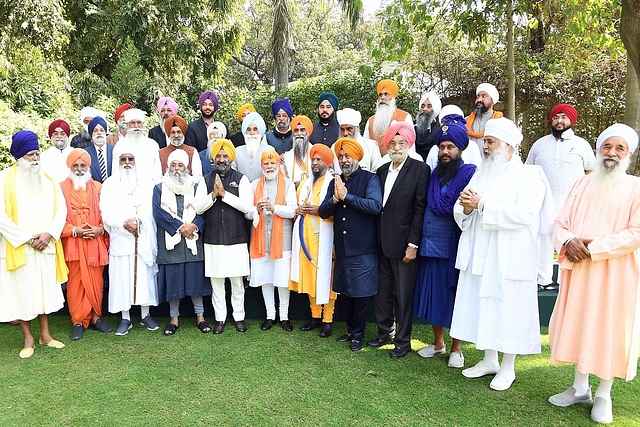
[596, 320]
[84, 245]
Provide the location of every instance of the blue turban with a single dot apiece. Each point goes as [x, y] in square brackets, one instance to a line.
[453, 129]
[22, 142]
[282, 104]
[97, 120]
[257, 120]
[331, 97]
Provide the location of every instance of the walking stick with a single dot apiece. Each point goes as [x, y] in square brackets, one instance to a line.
[135, 258]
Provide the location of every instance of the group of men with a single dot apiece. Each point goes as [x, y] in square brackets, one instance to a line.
[441, 219]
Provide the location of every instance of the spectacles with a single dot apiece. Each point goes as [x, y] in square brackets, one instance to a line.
[127, 159]
[399, 144]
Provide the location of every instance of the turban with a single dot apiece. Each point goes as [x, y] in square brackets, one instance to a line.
[256, 119]
[121, 109]
[217, 126]
[324, 152]
[91, 112]
[620, 130]
[78, 153]
[123, 147]
[23, 142]
[304, 121]
[448, 110]
[211, 95]
[59, 124]
[567, 109]
[389, 85]
[405, 130]
[223, 144]
[270, 155]
[435, 102]
[282, 104]
[349, 116]
[134, 114]
[505, 130]
[453, 129]
[165, 100]
[350, 146]
[97, 120]
[180, 156]
[243, 108]
[490, 89]
[331, 97]
[175, 121]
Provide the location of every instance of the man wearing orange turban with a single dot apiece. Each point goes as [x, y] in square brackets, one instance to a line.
[85, 246]
[53, 159]
[175, 128]
[386, 114]
[350, 147]
[243, 111]
[297, 161]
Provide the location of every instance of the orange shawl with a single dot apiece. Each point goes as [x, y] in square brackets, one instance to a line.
[258, 244]
[472, 118]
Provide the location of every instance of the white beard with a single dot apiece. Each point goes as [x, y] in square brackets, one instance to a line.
[382, 119]
[398, 156]
[178, 182]
[80, 181]
[270, 175]
[60, 144]
[135, 135]
[99, 140]
[176, 142]
[253, 143]
[128, 179]
[603, 178]
[33, 178]
[491, 166]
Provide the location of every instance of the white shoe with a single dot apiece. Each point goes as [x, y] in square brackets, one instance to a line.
[602, 411]
[503, 380]
[569, 397]
[456, 360]
[480, 370]
[430, 351]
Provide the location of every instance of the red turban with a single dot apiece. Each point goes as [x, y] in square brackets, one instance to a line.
[121, 109]
[175, 121]
[350, 146]
[405, 130]
[78, 153]
[304, 121]
[324, 152]
[567, 109]
[59, 124]
[389, 85]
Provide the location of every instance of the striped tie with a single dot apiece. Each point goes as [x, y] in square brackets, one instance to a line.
[103, 167]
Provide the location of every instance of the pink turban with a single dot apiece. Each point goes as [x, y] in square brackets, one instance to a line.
[168, 101]
[405, 130]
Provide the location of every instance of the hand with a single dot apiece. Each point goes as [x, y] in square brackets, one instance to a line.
[469, 200]
[409, 254]
[218, 188]
[577, 250]
[40, 241]
[340, 190]
[88, 231]
[187, 230]
[307, 210]
[131, 225]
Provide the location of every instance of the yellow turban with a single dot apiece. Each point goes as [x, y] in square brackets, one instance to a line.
[270, 155]
[324, 152]
[78, 153]
[244, 108]
[225, 145]
[304, 121]
[350, 146]
[389, 85]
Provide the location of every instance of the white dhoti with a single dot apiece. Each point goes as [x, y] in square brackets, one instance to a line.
[121, 289]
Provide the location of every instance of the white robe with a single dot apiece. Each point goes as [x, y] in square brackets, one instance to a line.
[54, 162]
[370, 160]
[293, 171]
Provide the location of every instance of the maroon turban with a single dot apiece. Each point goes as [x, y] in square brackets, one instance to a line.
[59, 124]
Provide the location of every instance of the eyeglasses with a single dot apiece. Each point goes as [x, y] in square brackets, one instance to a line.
[399, 144]
[127, 159]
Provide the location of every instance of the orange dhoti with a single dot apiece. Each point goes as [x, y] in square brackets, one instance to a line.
[84, 292]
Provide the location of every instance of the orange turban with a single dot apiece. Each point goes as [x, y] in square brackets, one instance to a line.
[405, 130]
[304, 121]
[350, 146]
[78, 153]
[389, 85]
[324, 152]
[175, 121]
[271, 155]
[223, 144]
[244, 108]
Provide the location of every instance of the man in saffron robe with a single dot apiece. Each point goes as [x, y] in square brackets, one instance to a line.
[486, 96]
[85, 245]
[313, 276]
[595, 322]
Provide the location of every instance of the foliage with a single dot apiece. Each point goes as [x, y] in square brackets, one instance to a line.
[128, 79]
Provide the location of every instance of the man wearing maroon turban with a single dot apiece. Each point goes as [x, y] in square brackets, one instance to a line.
[197, 133]
[54, 159]
[564, 157]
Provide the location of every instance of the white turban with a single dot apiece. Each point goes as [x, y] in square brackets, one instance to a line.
[349, 116]
[620, 130]
[435, 102]
[134, 114]
[123, 147]
[504, 130]
[219, 126]
[178, 155]
[490, 89]
[447, 110]
[91, 112]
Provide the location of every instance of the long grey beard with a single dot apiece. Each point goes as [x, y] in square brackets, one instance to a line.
[382, 119]
[128, 179]
[32, 176]
[423, 123]
[300, 147]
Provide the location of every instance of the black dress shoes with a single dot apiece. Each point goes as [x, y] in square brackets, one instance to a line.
[326, 331]
[286, 325]
[356, 345]
[241, 326]
[344, 338]
[379, 342]
[399, 352]
[311, 325]
[77, 332]
[267, 324]
[218, 328]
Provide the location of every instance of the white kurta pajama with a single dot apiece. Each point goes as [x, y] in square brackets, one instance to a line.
[496, 304]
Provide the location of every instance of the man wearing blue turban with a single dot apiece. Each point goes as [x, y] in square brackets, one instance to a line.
[281, 137]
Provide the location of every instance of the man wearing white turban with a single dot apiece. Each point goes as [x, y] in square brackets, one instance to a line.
[426, 123]
[83, 139]
[595, 322]
[349, 121]
[486, 97]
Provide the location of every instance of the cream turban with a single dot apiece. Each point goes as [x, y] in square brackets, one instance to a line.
[219, 126]
[448, 110]
[436, 103]
[349, 116]
[180, 156]
[504, 130]
[490, 89]
[620, 130]
[134, 114]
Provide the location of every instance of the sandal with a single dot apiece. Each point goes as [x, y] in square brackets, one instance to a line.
[170, 329]
[204, 327]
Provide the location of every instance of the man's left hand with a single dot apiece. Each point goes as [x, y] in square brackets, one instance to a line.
[409, 254]
[40, 241]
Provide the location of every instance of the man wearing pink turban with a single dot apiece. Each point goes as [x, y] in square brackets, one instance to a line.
[167, 107]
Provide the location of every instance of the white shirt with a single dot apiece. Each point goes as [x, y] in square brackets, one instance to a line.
[391, 179]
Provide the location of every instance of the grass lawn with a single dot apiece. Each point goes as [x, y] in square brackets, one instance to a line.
[271, 378]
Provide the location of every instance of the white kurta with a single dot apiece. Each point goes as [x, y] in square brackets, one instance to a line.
[146, 152]
[117, 206]
[496, 301]
[31, 289]
[250, 167]
[293, 170]
[54, 161]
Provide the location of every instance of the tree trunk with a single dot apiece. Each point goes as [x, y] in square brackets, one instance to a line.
[281, 76]
[511, 74]
[632, 109]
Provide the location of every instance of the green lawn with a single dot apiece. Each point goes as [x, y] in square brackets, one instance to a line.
[271, 378]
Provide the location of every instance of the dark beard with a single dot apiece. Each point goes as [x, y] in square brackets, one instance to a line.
[328, 119]
[558, 133]
[449, 169]
[300, 150]
[318, 174]
[423, 125]
[480, 110]
[206, 116]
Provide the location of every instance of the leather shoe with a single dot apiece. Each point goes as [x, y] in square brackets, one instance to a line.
[344, 338]
[267, 324]
[218, 328]
[286, 325]
[326, 331]
[241, 326]
[399, 352]
[379, 342]
[356, 345]
[314, 323]
[77, 332]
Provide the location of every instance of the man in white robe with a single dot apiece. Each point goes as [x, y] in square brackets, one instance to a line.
[54, 158]
[297, 161]
[501, 216]
[145, 147]
[127, 212]
[31, 260]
